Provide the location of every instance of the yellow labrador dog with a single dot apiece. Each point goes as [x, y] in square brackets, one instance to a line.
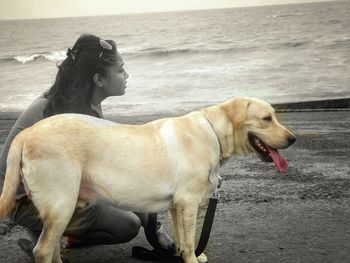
[170, 163]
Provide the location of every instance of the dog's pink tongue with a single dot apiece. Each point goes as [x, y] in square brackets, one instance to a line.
[280, 162]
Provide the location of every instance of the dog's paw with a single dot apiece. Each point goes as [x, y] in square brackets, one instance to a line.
[202, 258]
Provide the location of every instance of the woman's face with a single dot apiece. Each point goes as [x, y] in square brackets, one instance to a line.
[114, 83]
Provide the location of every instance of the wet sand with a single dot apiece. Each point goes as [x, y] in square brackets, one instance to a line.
[262, 216]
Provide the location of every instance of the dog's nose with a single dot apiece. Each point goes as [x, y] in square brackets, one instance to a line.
[291, 139]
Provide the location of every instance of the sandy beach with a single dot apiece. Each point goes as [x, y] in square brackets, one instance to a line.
[262, 216]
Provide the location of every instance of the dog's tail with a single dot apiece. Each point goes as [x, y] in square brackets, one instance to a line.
[12, 177]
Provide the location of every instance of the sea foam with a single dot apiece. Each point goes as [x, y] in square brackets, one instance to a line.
[55, 56]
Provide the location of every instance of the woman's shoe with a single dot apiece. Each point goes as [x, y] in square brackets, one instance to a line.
[165, 241]
[161, 255]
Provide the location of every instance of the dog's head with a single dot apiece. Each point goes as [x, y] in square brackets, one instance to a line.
[255, 128]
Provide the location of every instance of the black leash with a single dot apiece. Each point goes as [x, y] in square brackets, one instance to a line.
[207, 224]
[159, 254]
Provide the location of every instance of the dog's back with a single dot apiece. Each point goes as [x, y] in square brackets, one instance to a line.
[113, 160]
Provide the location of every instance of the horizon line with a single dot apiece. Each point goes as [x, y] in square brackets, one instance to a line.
[169, 11]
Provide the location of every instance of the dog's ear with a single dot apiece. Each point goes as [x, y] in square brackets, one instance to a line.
[236, 110]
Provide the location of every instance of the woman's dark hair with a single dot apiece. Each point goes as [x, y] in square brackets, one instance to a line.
[74, 86]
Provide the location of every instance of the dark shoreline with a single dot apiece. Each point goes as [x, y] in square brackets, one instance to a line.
[317, 105]
[303, 106]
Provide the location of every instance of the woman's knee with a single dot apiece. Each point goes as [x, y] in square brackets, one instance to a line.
[131, 227]
[110, 228]
[122, 225]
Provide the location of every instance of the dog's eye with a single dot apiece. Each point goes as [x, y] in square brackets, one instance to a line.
[268, 118]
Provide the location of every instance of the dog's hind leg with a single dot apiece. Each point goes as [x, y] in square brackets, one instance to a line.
[45, 250]
[57, 254]
[55, 216]
[55, 201]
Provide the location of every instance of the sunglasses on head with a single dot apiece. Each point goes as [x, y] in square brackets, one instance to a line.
[72, 53]
[105, 45]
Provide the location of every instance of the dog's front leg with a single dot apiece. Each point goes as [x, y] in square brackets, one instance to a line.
[184, 217]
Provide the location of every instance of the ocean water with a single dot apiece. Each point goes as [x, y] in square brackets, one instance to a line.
[180, 61]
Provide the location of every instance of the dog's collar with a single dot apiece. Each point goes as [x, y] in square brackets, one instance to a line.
[212, 127]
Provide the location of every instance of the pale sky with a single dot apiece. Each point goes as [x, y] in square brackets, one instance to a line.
[20, 9]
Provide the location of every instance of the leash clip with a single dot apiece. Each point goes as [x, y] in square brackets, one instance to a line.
[219, 182]
[215, 194]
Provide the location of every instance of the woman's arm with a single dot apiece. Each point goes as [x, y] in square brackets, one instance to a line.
[33, 114]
